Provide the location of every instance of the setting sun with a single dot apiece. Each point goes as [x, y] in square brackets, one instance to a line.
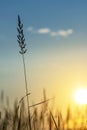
[81, 96]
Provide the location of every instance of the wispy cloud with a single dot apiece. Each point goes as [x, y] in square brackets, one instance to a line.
[43, 30]
[62, 33]
[65, 32]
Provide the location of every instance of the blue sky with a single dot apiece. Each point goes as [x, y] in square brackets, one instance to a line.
[54, 15]
[56, 38]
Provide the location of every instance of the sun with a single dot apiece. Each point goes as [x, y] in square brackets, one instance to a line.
[81, 96]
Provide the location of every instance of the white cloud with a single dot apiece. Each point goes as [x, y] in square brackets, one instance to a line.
[43, 30]
[65, 33]
[62, 33]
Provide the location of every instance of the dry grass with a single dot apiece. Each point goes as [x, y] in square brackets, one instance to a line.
[43, 119]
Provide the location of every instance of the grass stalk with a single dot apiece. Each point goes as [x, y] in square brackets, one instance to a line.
[21, 41]
[29, 118]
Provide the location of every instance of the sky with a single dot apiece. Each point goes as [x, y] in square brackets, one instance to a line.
[56, 39]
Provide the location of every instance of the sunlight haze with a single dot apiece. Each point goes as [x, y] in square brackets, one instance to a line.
[56, 41]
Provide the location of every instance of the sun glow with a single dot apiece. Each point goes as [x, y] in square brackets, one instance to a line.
[81, 96]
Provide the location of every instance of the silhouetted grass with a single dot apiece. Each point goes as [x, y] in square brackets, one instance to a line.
[41, 119]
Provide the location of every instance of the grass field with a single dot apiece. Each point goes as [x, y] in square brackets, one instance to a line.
[44, 118]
